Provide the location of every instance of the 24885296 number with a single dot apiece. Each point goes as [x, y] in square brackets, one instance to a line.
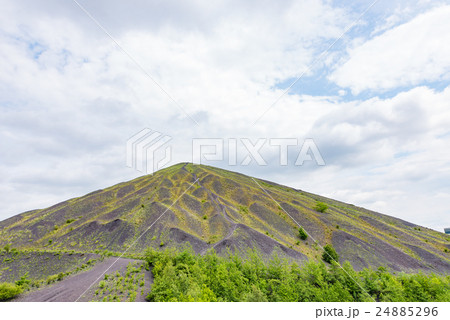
[407, 312]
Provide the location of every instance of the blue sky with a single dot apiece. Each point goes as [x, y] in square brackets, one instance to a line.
[376, 103]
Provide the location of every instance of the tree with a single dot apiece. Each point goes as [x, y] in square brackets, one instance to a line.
[329, 254]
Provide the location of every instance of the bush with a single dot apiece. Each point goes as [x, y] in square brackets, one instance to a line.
[320, 207]
[329, 254]
[7, 248]
[51, 279]
[302, 234]
[24, 281]
[243, 209]
[9, 291]
[185, 276]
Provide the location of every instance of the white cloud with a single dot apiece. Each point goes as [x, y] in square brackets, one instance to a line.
[409, 54]
[69, 99]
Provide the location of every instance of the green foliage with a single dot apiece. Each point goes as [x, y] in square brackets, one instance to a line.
[69, 221]
[23, 282]
[302, 234]
[329, 254]
[243, 209]
[320, 207]
[122, 286]
[7, 248]
[185, 276]
[9, 291]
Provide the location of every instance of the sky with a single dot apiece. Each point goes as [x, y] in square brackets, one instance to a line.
[368, 82]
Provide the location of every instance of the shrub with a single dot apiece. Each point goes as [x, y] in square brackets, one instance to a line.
[7, 248]
[24, 281]
[185, 276]
[9, 291]
[51, 279]
[320, 207]
[243, 209]
[329, 254]
[302, 234]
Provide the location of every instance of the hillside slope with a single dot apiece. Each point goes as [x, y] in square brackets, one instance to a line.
[225, 210]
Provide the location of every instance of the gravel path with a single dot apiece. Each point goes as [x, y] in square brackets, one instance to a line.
[69, 289]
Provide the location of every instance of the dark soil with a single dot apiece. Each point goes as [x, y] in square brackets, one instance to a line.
[70, 289]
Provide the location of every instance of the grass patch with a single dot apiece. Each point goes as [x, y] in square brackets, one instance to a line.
[121, 286]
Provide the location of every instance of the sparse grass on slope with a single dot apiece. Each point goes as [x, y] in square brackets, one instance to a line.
[225, 210]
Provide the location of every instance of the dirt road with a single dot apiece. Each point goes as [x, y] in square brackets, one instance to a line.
[71, 288]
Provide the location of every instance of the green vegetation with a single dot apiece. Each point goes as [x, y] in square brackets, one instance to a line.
[23, 281]
[122, 287]
[228, 206]
[243, 209]
[320, 207]
[9, 291]
[329, 254]
[302, 234]
[184, 276]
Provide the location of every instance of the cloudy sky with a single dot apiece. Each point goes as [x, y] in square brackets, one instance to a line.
[372, 89]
